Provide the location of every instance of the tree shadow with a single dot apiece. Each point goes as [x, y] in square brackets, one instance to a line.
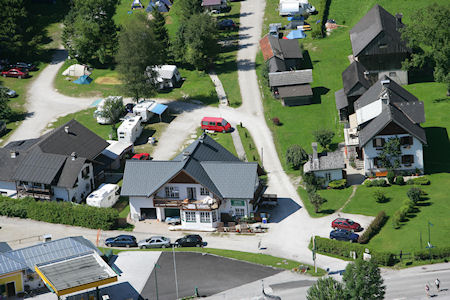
[317, 94]
[327, 211]
[436, 158]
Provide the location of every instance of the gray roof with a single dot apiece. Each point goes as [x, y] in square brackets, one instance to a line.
[276, 65]
[295, 90]
[76, 271]
[377, 20]
[9, 165]
[341, 99]
[208, 163]
[353, 75]
[290, 77]
[27, 258]
[327, 161]
[390, 114]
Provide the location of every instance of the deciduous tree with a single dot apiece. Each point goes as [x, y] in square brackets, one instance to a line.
[296, 156]
[316, 200]
[112, 111]
[326, 289]
[323, 137]
[5, 110]
[363, 281]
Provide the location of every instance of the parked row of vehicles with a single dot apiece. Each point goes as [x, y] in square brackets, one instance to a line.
[344, 230]
[191, 240]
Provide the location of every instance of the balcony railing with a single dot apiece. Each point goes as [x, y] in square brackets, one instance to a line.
[186, 204]
[160, 202]
[34, 192]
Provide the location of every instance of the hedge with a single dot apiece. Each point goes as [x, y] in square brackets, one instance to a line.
[436, 253]
[373, 228]
[59, 212]
[376, 183]
[419, 181]
[343, 249]
[337, 184]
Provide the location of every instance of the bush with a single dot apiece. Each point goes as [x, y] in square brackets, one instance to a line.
[399, 180]
[59, 212]
[276, 121]
[419, 181]
[436, 253]
[373, 228]
[338, 184]
[323, 137]
[409, 203]
[376, 183]
[396, 220]
[380, 196]
[414, 194]
[390, 177]
[343, 249]
[296, 156]
[403, 210]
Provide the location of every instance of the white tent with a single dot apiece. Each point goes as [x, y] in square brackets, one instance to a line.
[76, 70]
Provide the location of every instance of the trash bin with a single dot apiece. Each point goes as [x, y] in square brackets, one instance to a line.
[264, 220]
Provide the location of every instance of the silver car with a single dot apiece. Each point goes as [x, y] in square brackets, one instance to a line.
[155, 242]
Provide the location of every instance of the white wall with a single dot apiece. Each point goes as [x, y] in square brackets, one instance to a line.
[81, 191]
[415, 149]
[8, 187]
[226, 207]
[401, 76]
[197, 225]
[334, 174]
[136, 203]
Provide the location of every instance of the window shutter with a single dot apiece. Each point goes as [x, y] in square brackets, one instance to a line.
[374, 143]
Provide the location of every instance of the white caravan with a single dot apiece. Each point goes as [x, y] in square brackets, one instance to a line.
[97, 113]
[129, 130]
[105, 196]
[144, 109]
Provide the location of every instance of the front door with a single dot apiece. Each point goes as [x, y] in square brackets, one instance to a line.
[10, 289]
[191, 194]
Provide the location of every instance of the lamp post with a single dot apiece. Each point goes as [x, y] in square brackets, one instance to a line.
[175, 269]
[156, 280]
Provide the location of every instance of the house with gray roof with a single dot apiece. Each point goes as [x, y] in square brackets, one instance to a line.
[62, 165]
[201, 184]
[327, 165]
[377, 44]
[386, 111]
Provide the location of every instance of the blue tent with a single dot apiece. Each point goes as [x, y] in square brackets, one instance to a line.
[167, 3]
[296, 18]
[296, 34]
[84, 79]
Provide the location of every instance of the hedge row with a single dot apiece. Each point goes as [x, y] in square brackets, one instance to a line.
[338, 184]
[373, 228]
[343, 249]
[419, 181]
[59, 212]
[376, 183]
[436, 253]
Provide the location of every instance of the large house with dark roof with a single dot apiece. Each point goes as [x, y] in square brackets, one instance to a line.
[327, 165]
[386, 111]
[60, 165]
[287, 80]
[201, 184]
[377, 44]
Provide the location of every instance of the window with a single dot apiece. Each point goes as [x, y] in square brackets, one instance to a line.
[406, 141]
[382, 46]
[204, 191]
[85, 172]
[407, 160]
[392, 74]
[378, 142]
[191, 193]
[240, 212]
[3, 193]
[205, 123]
[377, 162]
[212, 123]
[172, 192]
[190, 216]
[214, 216]
[327, 176]
[205, 217]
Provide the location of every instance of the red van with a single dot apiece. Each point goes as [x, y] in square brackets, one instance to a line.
[216, 124]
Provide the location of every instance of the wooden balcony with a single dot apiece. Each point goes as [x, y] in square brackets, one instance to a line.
[36, 193]
[161, 202]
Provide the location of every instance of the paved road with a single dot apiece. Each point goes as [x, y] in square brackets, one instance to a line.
[45, 104]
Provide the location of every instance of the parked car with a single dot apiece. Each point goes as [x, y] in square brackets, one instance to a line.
[191, 240]
[129, 107]
[215, 124]
[155, 242]
[342, 223]
[10, 93]
[16, 72]
[141, 156]
[24, 65]
[2, 126]
[173, 220]
[121, 241]
[226, 24]
[343, 235]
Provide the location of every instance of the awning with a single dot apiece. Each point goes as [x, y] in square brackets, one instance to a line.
[158, 109]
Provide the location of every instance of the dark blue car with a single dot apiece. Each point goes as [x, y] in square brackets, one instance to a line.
[343, 235]
[121, 241]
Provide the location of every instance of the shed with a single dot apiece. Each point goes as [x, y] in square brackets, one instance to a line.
[294, 95]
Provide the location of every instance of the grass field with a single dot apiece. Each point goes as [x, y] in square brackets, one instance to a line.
[256, 258]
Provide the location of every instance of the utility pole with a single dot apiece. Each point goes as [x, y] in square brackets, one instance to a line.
[156, 281]
[175, 269]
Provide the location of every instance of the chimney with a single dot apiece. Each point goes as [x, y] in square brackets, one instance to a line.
[315, 156]
[385, 82]
[366, 75]
[73, 156]
[186, 155]
[13, 154]
[66, 129]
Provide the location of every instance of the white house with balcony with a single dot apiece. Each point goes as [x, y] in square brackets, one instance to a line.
[199, 185]
[386, 111]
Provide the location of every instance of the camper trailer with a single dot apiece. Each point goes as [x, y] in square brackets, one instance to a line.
[105, 196]
[167, 76]
[97, 113]
[296, 8]
[129, 130]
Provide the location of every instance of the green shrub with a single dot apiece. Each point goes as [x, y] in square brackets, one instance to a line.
[399, 180]
[403, 212]
[373, 228]
[414, 194]
[396, 220]
[338, 184]
[380, 196]
[436, 253]
[419, 181]
[409, 203]
[59, 212]
[390, 177]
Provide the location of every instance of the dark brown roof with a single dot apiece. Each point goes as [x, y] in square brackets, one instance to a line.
[295, 90]
[284, 49]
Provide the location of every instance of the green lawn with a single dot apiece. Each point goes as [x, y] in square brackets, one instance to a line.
[335, 200]
[123, 207]
[434, 209]
[256, 258]
[249, 145]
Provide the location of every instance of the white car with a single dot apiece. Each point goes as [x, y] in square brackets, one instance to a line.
[155, 242]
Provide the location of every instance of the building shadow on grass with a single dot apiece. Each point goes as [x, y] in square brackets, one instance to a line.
[436, 153]
[285, 208]
[317, 94]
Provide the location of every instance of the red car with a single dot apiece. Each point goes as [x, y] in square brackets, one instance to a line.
[16, 72]
[215, 124]
[141, 156]
[341, 223]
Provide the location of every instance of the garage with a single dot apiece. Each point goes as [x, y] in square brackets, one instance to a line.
[171, 212]
[148, 213]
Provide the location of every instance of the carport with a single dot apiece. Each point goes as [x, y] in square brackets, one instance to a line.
[158, 109]
[75, 274]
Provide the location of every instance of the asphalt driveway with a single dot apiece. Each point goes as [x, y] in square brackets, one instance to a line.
[210, 274]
